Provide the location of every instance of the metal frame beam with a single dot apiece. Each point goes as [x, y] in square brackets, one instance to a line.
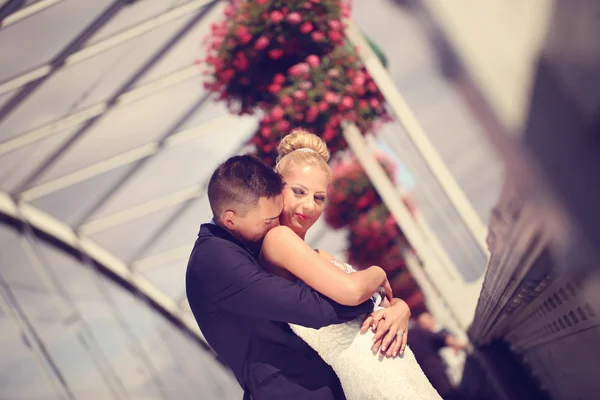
[49, 161]
[60, 58]
[102, 45]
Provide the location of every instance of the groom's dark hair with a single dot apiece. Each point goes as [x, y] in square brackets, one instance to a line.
[239, 182]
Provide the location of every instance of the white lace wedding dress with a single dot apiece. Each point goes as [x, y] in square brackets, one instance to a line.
[364, 375]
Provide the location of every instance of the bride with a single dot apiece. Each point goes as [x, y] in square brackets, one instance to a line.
[348, 348]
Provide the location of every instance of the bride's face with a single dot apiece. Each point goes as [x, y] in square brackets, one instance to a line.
[304, 197]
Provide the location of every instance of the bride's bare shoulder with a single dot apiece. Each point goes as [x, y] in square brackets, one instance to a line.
[280, 232]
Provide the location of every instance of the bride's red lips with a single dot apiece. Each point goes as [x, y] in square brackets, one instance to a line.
[303, 217]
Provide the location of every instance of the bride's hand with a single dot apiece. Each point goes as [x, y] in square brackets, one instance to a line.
[391, 328]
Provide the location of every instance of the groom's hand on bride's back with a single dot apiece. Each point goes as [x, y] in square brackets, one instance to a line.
[391, 328]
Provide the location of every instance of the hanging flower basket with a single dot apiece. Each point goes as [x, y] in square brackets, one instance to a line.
[319, 94]
[261, 38]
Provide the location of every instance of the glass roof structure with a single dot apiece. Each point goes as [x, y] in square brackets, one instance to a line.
[107, 139]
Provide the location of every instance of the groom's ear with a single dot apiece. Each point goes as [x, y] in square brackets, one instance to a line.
[228, 219]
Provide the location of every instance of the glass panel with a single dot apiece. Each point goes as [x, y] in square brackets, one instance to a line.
[180, 167]
[71, 204]
[187, 49]
[184, 230]
[122, 348]
[86, 83]
[114, 343]
[41, 37]
[126, 128]
[124, 240]
[20, 372]
[134, 14]
[18, 164]
[169, 278]
[41, 305]
[436, 209]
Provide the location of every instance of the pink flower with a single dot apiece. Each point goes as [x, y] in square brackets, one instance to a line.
[277, 113]
[312, 114]
[316, 1]
[323, 106]
[331, 97]
[241, 31]
[294, 18]
[363, 104]
[375, 103]
[276, 16]
[306, 27]
[265, 131]
[346, 9]
[313, 60]
[347, 101]
[274, 88]
[333, 72]
[299, 117]
[229, 11]
[359, 80]
[372, 86]
[261, 1]
[305, 85]
[299, 95]
[285, 101]
[317, 36]
[335, 25]
[227, 75]
[334, 36]
[275, 54]
[240, 61]
[279, 78]
[299, 69]
[261, 43]
[283, 126]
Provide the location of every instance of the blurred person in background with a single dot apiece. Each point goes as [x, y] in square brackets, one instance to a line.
[426, 343]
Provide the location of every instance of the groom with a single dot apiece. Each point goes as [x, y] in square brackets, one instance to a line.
[244, 311]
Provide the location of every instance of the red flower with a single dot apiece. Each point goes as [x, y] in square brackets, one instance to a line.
[323, 106]
[317, 36]
[286, 100]
[229, 11]
[347, 102]
[335, 25]
[334, 36]
[261, 43]
[240, 62]
[299, 94]
[294, 18]
[306, 27]
[277, 113]
[283, 126]
[275, 54]
[274, 88]
[298, 69]
[279, 78]
[265, 131]
[276, 16]
[331, 97]
[313, 60]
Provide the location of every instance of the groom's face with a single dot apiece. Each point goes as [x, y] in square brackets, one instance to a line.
[253, 226]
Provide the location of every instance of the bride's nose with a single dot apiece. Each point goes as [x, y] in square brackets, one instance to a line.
[308, 206]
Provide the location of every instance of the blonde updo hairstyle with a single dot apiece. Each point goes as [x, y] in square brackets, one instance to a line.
[301, 147]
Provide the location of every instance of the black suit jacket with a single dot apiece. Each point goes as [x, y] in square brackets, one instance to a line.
[243, 312]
